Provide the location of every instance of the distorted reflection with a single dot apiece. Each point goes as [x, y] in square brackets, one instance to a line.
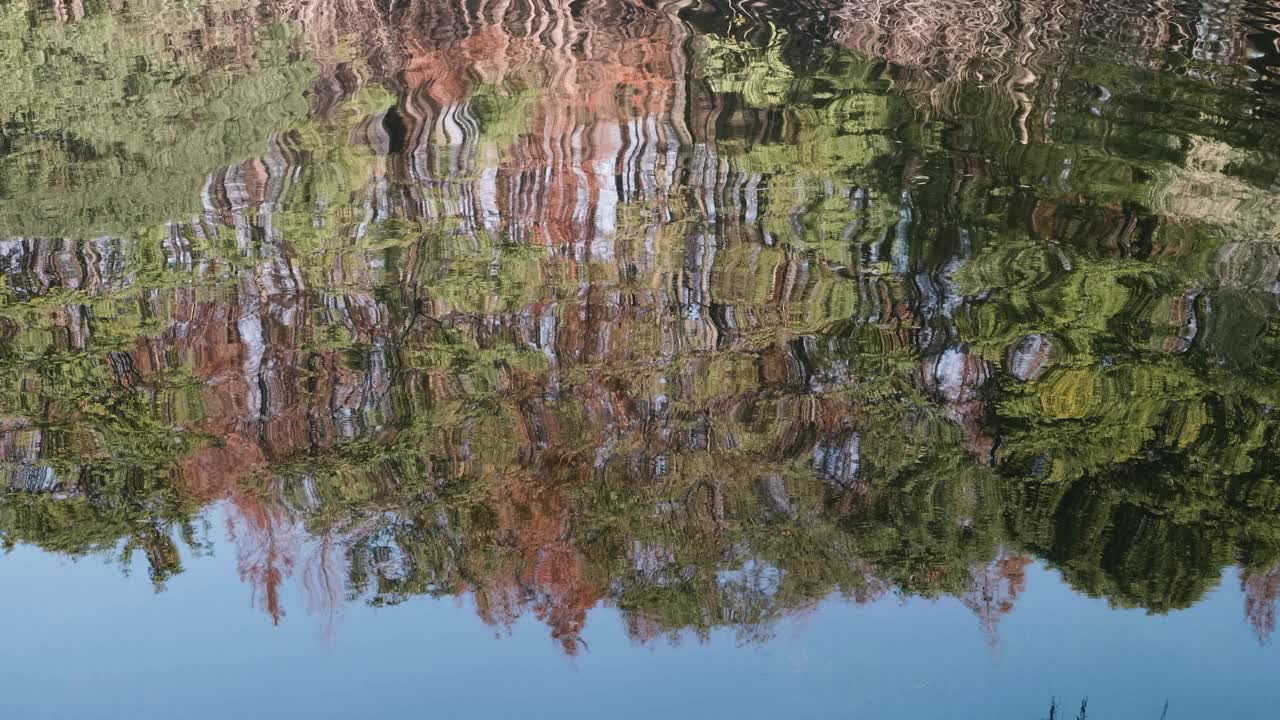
[699, 310]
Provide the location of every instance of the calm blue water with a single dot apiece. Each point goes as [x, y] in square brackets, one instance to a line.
[83, 641]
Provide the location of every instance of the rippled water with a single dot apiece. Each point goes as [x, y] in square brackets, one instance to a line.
[908, 358]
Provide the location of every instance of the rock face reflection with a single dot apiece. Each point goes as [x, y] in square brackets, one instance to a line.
[625, 303]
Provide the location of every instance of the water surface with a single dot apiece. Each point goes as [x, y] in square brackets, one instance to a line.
[835, 358]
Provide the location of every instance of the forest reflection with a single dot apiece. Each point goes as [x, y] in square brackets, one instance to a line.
[703, 311]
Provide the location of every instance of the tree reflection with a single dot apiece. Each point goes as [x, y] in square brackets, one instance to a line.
[629, 305]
